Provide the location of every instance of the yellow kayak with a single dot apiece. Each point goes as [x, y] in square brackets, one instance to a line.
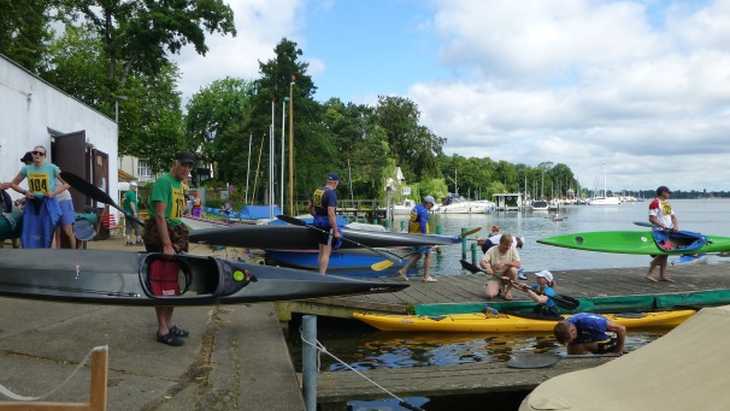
[506, 323]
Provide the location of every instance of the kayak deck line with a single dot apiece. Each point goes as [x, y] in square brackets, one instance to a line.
[469, 289]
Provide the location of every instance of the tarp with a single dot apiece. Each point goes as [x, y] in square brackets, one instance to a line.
[257, 212]
[684, 370]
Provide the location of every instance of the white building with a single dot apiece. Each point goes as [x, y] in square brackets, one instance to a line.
[34, 112]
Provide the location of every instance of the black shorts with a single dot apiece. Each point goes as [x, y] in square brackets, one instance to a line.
[327, 237]
[607, 346]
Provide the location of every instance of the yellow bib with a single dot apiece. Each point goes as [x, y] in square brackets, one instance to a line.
[38, 183]
[178, 203]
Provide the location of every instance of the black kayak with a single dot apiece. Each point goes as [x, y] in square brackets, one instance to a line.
[121, 278]
[292, 237]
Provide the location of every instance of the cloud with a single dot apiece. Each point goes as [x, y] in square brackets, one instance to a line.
[587, 83]
[260, 25]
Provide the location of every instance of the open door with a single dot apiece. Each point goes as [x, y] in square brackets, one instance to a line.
[68, 151]
[100, 178]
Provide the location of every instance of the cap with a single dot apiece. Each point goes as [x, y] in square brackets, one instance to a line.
[185, 157]
[333, 177]
[663, 189]
[429, 199]
[546, 275]
[27, 158]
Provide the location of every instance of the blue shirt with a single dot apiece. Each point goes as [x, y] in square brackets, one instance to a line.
[548, 292]
[419, 220]
[590, 327]
[41, 180]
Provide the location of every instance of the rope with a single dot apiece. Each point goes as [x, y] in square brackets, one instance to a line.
[322, 349]
[8, 393]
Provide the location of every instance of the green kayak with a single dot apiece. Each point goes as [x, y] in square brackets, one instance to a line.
[635, 242]
[605, 304]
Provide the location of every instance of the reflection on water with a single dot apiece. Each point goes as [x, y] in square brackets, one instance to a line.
[706, 216]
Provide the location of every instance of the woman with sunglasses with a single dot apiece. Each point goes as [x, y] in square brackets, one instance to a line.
[44, 183]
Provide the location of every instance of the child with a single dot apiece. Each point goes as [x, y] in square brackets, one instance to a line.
[543, 293]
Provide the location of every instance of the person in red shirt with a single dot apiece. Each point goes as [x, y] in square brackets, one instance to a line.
[662, 217]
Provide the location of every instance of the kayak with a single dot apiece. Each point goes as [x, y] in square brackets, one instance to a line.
[122, 278]
[349, 263]
[636, 242]
[292, 237]
[508, 323]
[604, 304]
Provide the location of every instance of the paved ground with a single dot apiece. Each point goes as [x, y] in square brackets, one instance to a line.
[235, 359]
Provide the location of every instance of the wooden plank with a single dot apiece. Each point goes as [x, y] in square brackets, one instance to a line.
[478, 378]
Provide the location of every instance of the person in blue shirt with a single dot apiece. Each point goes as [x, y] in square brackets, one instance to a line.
[418, 224]
[543, 294]
[587, 333]
[322, 208]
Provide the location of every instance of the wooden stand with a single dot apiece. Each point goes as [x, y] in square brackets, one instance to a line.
[97, 394]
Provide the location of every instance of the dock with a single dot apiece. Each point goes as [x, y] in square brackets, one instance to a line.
[336, 388]
[470, 288]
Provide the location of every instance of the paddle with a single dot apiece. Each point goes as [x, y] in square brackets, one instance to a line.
[564, 301]
[391, 258]
[648, 225]
[94, 192]
[469, 232]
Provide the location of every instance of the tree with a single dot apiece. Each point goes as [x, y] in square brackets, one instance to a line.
[25, 31]
[415, 147]
[218, 124]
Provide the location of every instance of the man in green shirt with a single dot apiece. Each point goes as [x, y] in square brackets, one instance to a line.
[130, 204]
[165, 233]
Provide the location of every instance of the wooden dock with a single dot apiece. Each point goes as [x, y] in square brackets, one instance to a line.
[470, 288]
[336, 388]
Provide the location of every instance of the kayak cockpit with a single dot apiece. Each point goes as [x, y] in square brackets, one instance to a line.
[204, 278]
[679, 241]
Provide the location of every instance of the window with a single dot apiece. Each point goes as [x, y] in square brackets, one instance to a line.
[143, 170]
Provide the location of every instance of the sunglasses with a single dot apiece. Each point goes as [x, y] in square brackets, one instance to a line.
[38, 153]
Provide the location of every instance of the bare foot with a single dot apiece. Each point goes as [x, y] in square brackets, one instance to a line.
[652, 278]
[667, 279]
[507, 296]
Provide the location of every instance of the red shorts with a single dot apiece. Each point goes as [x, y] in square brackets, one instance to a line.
[163, 277]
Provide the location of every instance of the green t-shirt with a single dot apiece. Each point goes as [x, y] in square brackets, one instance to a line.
[168, 190]
[130, 197]
[41, 180]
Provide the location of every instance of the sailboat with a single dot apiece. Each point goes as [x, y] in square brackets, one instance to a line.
[604, 200]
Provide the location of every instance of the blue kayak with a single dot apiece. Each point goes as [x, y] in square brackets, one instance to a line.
[351, 263]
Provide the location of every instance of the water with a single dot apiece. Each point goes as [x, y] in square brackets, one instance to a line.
[707, 216]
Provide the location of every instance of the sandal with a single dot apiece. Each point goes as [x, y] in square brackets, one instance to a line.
[170, 339]
[179, 332]
[430, 279]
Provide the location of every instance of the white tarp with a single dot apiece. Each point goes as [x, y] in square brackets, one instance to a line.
[687, 369]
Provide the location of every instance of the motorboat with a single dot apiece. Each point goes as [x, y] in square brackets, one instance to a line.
[539, 205]
[604, 201]
[458, 205]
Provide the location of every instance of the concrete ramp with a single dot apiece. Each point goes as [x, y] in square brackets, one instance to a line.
[687, 369]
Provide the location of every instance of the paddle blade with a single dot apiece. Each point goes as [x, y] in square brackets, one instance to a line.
[87, 188]
[643, 224]
[469, 266]
[566, 302]
[470, 232]
[381, 265]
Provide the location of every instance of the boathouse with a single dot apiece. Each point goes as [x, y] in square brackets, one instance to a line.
[79, 138]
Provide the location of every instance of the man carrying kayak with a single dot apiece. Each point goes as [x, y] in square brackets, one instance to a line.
[586, 333]
[662, 217]
[322, 208]
[164, 232]
[418, 224]
[502, 261]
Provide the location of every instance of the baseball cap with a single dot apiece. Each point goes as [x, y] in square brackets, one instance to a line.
[185, 157]
[546, 275]
[663, 189]
[429, 199]
[333, 177]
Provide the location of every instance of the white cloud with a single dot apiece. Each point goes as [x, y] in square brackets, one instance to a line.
[260, 25]
[585, 83]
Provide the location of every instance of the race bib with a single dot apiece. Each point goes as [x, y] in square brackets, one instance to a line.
[178, 203]
[317, 197]
[666, 208]
[38, 183]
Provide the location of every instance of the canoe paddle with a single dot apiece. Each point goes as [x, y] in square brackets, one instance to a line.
[390, 258]
[564, 301]
[95, 192]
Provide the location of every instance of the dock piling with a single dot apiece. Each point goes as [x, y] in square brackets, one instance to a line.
[474, 254]
[309, 362]
[463, 243]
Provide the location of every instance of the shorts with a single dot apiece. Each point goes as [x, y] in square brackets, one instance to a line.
[424, 250]
[163, 277]
[327, 237]
[606, 346]
[68, 215]
[178, 235]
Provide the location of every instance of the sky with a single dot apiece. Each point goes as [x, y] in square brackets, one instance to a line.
[636, 90]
